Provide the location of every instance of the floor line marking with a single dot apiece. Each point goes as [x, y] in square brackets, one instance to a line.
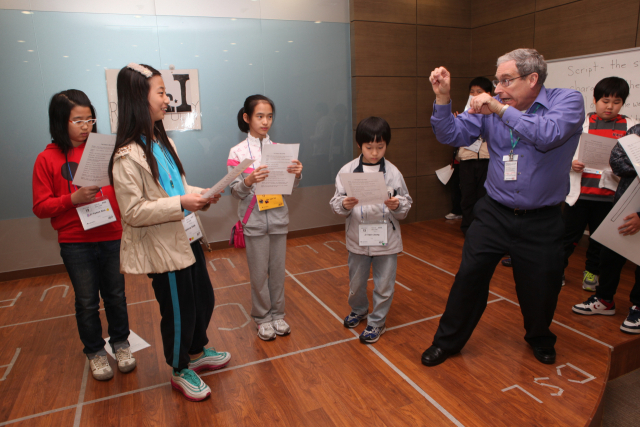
[415, 386]
[523, 390]
[397, 283]
[151, 387]
[10, 365]
[414, 322]
[83, 389]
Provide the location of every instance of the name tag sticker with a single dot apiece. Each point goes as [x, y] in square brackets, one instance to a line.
[506, 158]
[372, 234]
[269, 201]
[511, 170]
[96, 214]
[191, 227]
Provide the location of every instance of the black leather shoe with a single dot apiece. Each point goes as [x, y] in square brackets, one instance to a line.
[545, 355]
[434, 356]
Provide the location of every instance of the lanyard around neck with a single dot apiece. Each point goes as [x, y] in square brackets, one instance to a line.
[515, 141]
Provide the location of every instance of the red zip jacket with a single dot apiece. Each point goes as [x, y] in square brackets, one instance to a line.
[52, 190]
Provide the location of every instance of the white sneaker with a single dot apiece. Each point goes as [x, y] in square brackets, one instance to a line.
[190, 385]
[452, 216]
[281, 327]
[266, 332]
[100, 368]
[595, 305]
[126, 363]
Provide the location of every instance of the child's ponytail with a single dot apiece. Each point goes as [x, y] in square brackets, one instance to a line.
[244, 126]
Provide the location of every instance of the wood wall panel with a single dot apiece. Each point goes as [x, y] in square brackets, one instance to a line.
[434, 200]
[446, 47]
[492, 41]
[382, 49]
[447, 13]
[547, 4]
[459, 97]
[393, 98]
[490, 11]
[400, 11]
[402, 151]
[412, 186]
[578, 28]
[431, 154]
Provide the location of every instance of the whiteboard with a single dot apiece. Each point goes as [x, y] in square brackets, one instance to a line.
[582, 73]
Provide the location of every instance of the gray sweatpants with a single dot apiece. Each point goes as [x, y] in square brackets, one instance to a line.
[265, 256]
[384, 280]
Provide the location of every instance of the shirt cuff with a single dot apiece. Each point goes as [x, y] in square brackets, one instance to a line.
[511, 116]
[66, 201]
[441, 111]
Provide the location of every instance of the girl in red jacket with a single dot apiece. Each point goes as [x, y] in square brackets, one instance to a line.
[90, 252]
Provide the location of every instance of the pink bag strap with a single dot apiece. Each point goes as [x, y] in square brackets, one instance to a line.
[249, 210]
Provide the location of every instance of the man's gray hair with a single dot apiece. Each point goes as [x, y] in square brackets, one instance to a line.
[527, 61]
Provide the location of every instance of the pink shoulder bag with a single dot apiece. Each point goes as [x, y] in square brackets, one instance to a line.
[237, 232]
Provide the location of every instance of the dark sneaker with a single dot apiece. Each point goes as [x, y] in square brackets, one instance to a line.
[632, 324]
[353, 320]
[595, 305]
[371, 334]
[506, 262]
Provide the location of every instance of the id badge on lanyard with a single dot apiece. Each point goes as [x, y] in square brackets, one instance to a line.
[510, 167]
[191, 227]
[372, 233]
[95, 214]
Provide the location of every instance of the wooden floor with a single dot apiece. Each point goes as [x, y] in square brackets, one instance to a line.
[320, 374]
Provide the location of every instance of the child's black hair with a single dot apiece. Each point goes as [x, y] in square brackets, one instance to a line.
[373, 129]
[134, 119]
[60, 108]
[483, 83]
[613, 87]
[248, 108]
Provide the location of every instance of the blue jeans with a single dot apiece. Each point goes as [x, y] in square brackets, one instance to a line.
[94, 270]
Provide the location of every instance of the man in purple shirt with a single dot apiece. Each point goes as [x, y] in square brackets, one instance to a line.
[533, 133]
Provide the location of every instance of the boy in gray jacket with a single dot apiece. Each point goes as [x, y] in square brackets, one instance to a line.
[373, 135]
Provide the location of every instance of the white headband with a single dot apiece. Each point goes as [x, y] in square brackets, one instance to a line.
[139, 68]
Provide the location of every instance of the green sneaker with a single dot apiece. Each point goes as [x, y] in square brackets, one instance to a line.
[210, 359]
[190, 385]
[589, 281]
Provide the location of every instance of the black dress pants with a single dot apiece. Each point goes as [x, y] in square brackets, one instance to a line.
[186, 304]
[534, 241]
[473, 174]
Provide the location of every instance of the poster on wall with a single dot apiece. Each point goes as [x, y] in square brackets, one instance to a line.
[183, 91]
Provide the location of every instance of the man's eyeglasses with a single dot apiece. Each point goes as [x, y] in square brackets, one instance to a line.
[80, 123]
[506, 82]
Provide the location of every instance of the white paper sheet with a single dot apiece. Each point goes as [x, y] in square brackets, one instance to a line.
[607, 233]
[222, 184]
[631, 145]
[444, 174]
[595, 151]
[368, 188]
[94, 164]
[475, 147]
[136, 343]
[277, 157]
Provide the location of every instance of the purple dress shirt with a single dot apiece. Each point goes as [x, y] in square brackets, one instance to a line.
[548, 134]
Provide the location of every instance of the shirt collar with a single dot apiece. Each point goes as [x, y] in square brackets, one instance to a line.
[542, 98]
[256, 141]
[360, 167]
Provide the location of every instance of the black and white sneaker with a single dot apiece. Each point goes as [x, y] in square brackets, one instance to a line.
[632, 323]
